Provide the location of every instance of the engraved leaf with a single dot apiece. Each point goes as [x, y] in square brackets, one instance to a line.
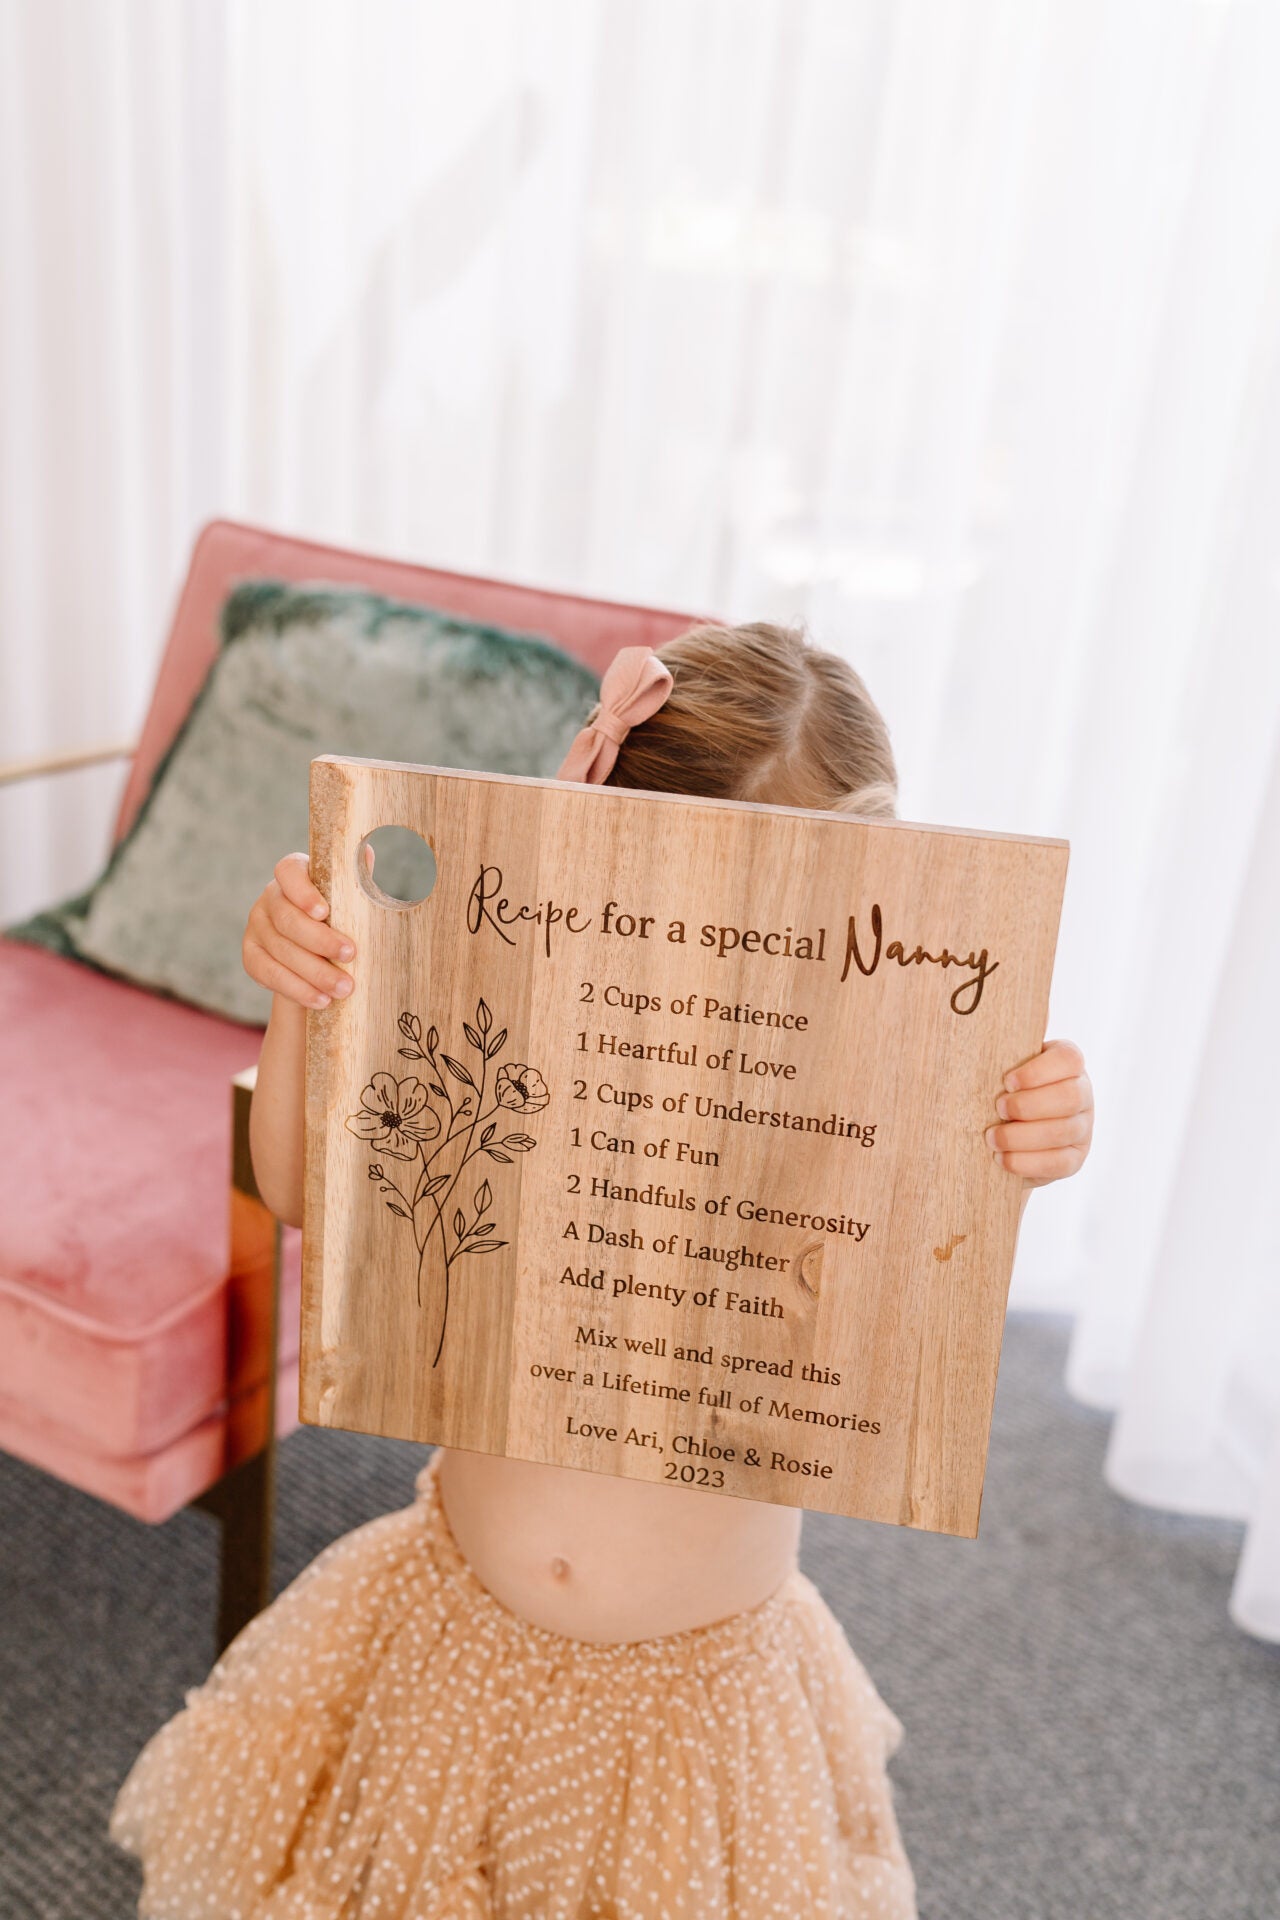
[411, 1053]
[484, 1019]
[458, 1071]
[484, 1246]
[484, 1196]
[434, 1186]
[495, 1045]
[473, 1038]
[459, 1224]
[437, 1090]
[487, 1135]
[395, 1209]
[495, 1155]
[486, 1226]
[433, 1039]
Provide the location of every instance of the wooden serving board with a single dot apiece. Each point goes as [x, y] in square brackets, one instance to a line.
[651, 1141]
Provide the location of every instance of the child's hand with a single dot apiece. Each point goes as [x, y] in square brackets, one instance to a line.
[287, 945]
[1047, 1113]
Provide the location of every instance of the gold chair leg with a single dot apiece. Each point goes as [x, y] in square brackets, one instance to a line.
[244, 1503]
[243, 1500]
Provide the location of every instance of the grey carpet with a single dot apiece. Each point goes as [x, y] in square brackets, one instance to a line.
[1088, 1737]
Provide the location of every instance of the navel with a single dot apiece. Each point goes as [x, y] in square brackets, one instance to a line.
[559, 1568]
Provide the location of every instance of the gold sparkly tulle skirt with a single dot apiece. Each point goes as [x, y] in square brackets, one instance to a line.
[388, 1741]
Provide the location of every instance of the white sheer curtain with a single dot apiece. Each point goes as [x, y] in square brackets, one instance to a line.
[951, 328]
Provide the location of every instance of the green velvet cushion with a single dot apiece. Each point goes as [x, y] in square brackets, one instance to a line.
[303, 670]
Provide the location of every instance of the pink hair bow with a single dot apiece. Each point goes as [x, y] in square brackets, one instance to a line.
[635, 685]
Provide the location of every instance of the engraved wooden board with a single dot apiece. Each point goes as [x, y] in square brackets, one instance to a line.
[651, 1141]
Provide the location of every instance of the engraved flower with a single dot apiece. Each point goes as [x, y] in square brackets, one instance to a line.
[523, 1089]
[394, 1116]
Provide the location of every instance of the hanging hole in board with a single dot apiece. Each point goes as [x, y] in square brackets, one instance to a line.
[403, 869]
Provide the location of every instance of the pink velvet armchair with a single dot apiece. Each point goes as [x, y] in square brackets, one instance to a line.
[149, 1327]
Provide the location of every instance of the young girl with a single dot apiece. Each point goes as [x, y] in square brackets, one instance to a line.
[539, 1693]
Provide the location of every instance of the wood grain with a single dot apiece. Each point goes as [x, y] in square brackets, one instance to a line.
[764, 1250]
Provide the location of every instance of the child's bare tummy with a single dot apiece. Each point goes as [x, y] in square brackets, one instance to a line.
[604, 1559]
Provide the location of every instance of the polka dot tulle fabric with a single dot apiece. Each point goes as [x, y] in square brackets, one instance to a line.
[388, 1741]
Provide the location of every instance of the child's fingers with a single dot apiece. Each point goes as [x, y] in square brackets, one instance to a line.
[1057, 1060]
[299, 890]
[1052, 1164]
[1048, 1108]
[270, 972]
[295, 925]
[297, 885]
[1021, 1136]
[312, 967]
[1053, 1102]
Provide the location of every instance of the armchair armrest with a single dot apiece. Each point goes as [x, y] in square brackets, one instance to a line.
[12, 771]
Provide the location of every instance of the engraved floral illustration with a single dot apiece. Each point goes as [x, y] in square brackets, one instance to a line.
[439, 1123]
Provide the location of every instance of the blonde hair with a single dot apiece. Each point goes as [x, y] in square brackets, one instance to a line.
[756, 712]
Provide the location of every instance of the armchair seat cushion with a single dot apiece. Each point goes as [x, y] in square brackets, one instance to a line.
[120, 1331]
[153, 1486]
